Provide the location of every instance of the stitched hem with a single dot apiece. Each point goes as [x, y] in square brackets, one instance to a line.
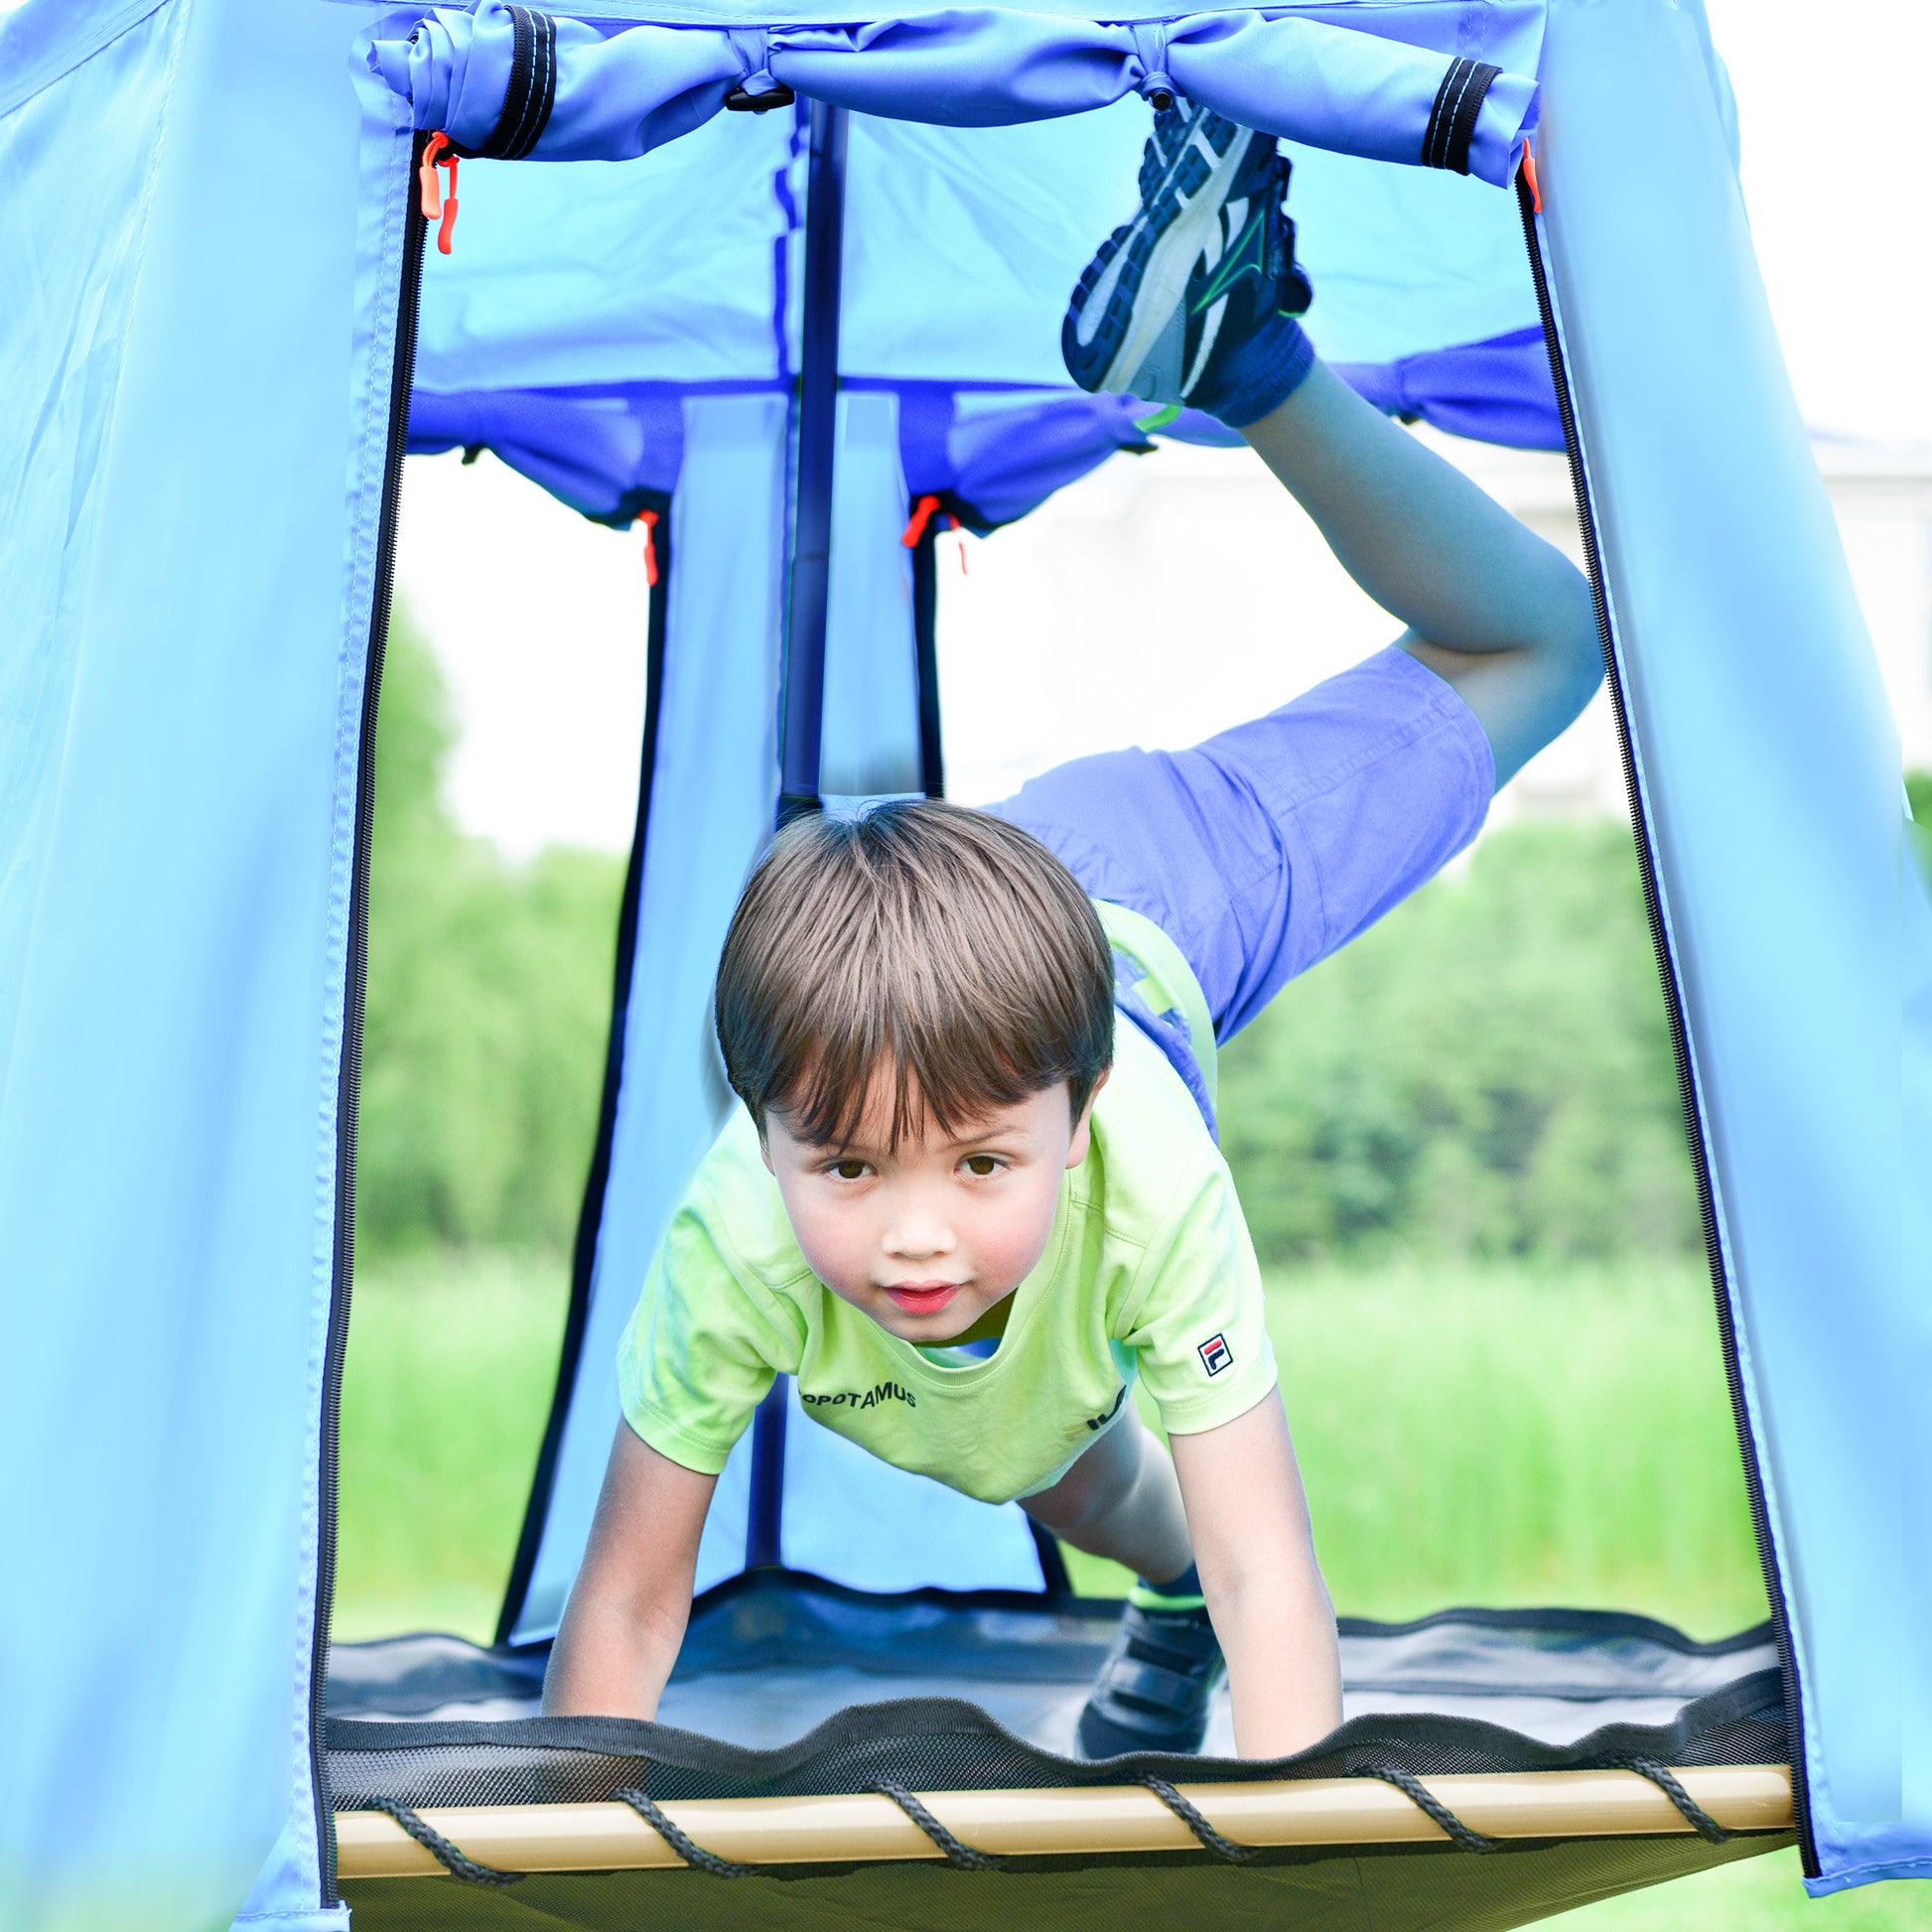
[674, 1444]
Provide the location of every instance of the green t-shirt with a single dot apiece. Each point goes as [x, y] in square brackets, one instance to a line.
[1149, 1271]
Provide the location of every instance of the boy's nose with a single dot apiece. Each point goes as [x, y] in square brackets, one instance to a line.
[919, 1237]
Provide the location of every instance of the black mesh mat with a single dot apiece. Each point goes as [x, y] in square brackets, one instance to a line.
[1601, 1664]
[769, 1657]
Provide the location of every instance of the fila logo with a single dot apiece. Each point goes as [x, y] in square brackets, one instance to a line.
[1215, 1354]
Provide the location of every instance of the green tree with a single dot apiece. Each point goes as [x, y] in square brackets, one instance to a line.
[489, 1002]
[1487, 1073]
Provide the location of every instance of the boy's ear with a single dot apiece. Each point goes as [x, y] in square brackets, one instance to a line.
[1076, 1148]
[764, 1151]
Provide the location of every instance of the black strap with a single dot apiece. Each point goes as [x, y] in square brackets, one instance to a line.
[1192, 1816]
[1665, 1780]
[958, 1853]
[1452, 117]
[454, 1861]
[681, 1842]
[532, 89]
[1463, 1836]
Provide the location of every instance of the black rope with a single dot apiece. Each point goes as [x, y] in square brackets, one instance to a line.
[441, 1850]
[1665, 1780]
[958, 1853]
[1461, 1835]
[1192, 1816]
[681, 1842]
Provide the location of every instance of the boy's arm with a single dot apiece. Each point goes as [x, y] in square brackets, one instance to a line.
[1254, 1550]
[1502, 616]
[627, 1609]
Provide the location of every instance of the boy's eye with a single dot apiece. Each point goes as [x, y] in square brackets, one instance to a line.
[848, 1170]
[982, 1164]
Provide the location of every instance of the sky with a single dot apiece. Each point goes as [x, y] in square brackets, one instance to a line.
[538, 617]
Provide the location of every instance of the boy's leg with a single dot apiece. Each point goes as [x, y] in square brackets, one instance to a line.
[1195, 302]
[1122, 1500]
[1272, 844]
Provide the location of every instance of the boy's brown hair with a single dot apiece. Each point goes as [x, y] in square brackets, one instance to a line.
[937, 947]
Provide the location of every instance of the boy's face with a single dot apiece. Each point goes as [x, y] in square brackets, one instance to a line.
[925, 1239]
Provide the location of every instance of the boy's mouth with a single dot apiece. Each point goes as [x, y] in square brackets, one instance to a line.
[922, 1298]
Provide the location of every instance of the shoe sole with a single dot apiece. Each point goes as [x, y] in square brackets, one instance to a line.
[1164, 281]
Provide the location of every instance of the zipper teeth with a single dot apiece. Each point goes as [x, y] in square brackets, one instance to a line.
[1679, 1039]
[349, 1088]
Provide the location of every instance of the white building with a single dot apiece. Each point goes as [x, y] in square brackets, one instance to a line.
[1167, 596]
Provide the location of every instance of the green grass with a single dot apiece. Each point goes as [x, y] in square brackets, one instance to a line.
[1494, 1437]
[446, 1384]
[1514, 1436]
[1468, 1436]
[1517, 1437]
[1764, 1895]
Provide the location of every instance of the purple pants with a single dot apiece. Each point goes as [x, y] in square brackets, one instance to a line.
[1264, 849]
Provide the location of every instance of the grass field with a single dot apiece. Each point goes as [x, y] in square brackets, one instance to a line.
[1504, 1436]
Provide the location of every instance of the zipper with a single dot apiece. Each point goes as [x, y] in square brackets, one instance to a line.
[1529, 201]
[355, 987]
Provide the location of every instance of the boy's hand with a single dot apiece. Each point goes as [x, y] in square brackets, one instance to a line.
[1254, 1550]
[627, 1609]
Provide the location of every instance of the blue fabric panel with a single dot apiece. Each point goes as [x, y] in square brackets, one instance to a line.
[600, 453]
[1499, 391]
[598, 272]
[868, 745]
[1770, 770]
[1404, 260]
[1005, 454]
[621, 94]
[994, 453]
[860, 1522]
[191, 468]
[711, 802]
[616, 98]
[963, 244]
[1502, 31]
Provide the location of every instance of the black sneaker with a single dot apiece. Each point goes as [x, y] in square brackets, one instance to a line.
[1153, 1691]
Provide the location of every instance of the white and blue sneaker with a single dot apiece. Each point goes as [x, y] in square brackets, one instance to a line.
[1193, 301]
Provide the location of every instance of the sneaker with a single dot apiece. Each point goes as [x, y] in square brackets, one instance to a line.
[1168, 308]
[1151, 1692]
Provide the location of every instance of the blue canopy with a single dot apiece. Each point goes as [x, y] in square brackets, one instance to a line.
[208, 207]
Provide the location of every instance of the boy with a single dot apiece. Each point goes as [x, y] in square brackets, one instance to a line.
[948, 1145]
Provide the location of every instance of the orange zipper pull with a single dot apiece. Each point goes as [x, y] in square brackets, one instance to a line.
[437, 153]
[648, 518]
[1529, 176]
[921, 516]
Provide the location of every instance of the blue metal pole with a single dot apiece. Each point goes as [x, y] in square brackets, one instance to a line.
[818, 404]
[802, 702]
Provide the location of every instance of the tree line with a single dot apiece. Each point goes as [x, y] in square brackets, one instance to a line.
[1486, 1073]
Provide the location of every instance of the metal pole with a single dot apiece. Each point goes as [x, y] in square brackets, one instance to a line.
[818, 404]
[802, 702]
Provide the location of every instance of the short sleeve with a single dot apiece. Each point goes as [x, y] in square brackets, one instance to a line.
[700, 1350]
[1198, 1325]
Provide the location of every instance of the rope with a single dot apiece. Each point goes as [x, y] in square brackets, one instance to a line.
[454, 1861]
[959, 1855]
[1417, 1794]
[686, 1847]
[1192, 1816]
[1665, 1780]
